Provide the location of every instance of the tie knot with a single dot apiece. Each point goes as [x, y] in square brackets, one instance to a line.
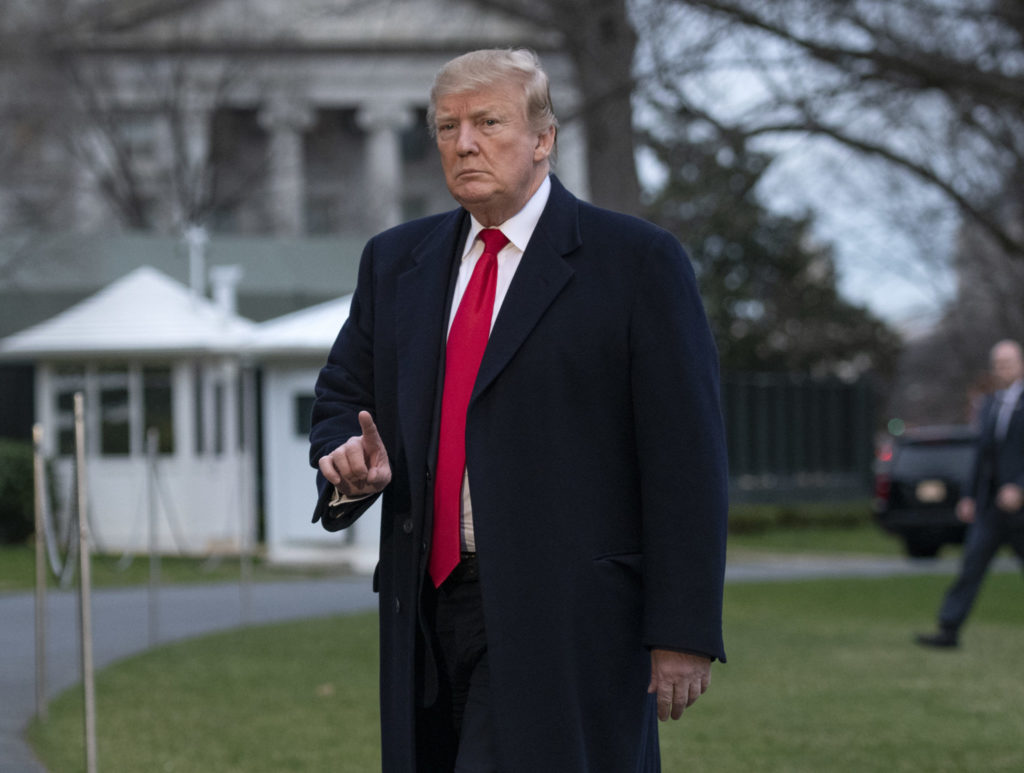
[493, 240]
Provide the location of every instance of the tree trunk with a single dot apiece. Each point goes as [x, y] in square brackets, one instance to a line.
[601, 41]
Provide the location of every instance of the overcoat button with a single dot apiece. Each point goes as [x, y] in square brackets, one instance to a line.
[407, 526]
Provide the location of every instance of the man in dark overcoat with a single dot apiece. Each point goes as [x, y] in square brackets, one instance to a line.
[994, 496]
[573, 594]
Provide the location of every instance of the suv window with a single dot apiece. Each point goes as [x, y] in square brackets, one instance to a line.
[945, 459]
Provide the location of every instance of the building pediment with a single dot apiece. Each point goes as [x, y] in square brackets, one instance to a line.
[316, 24]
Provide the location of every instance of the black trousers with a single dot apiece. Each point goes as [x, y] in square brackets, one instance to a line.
[985, 536]
[464, 710]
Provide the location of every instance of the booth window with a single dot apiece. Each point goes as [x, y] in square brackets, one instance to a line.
[115, 411]
[67, 380]
[303, 414]
[157, 406]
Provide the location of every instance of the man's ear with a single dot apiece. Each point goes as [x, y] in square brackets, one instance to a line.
[545, 144]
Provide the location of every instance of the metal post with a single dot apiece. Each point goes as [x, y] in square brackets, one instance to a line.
[152, 444]
[40, 482]
[85, 589]
[247, 524]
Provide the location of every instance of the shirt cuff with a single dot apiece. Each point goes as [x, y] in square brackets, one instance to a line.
[343, 499]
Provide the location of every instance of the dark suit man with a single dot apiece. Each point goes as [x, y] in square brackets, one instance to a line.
[586, 601]
[995, 493]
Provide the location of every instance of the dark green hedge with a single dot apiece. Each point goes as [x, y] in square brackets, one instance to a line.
[17, 519]
[754, 519]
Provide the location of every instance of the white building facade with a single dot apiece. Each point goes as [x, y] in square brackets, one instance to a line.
[264, 116]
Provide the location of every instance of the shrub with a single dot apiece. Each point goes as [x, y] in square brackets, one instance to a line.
[759, 518]
[17, 517]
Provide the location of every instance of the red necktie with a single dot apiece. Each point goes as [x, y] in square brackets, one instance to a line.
[467, 340]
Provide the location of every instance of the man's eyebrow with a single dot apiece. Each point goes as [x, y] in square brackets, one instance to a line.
[478, 113]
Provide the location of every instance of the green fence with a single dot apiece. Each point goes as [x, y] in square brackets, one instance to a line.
[796, 437]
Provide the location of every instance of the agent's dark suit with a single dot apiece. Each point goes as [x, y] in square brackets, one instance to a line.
[596, 452]
[997, 461]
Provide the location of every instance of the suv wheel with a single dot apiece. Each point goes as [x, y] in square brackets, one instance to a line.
[922, 547]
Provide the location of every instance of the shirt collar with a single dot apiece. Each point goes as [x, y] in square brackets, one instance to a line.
[520, 227]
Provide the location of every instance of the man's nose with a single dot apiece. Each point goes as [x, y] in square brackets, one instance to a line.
[466, 142]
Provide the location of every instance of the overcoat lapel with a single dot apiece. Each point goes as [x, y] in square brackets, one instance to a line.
[541, 276]
[1016, 416]
[422, 300]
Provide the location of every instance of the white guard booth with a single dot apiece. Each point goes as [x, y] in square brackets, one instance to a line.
[292, 349]
[149, 353]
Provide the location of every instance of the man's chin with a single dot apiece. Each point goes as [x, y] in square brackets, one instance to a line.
[472, 193]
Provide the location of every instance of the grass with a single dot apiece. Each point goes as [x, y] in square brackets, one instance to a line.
[17, 570]
[866, 539]
[821, 676]
[17, 563]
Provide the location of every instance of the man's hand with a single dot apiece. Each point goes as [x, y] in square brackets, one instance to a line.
[679, 679]
[359, 467]
[1009, 498]
[965, 510]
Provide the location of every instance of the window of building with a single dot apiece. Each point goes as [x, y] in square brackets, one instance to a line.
[303, 414]
[67, 380]
[158, 406]
[115, 411]
[417, 144]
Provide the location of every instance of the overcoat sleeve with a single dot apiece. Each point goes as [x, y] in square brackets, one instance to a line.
[343, 389]
[681, 453]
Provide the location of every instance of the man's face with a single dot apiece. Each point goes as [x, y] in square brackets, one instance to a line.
[1007, 366]
[492, 162]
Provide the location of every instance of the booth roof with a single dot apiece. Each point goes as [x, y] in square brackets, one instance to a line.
[305, 332]
[143, 313]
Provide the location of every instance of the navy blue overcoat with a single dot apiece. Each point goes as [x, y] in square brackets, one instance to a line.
[596, 454]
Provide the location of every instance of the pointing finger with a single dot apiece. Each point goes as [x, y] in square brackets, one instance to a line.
[370, 434]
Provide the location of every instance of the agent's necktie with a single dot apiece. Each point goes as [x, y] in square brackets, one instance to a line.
[467, 340]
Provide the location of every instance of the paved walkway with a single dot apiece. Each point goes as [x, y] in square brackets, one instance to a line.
[121, 623]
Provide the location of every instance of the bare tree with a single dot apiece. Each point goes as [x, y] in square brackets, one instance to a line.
[931, 88]
[133, 128]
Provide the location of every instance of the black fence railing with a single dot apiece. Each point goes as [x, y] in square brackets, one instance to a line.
[795, 437]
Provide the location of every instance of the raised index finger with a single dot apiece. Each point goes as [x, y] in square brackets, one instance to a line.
[371, 437]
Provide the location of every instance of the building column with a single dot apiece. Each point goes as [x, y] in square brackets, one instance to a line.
[286, 118]
[384, 124]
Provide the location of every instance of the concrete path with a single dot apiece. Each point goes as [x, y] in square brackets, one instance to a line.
[121, 623]
[766, 567]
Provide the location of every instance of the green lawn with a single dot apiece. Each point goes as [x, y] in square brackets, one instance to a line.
[865, 539]
[17, 570]
[822, 676]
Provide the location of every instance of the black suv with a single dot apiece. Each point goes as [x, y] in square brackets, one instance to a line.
[918, 480]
